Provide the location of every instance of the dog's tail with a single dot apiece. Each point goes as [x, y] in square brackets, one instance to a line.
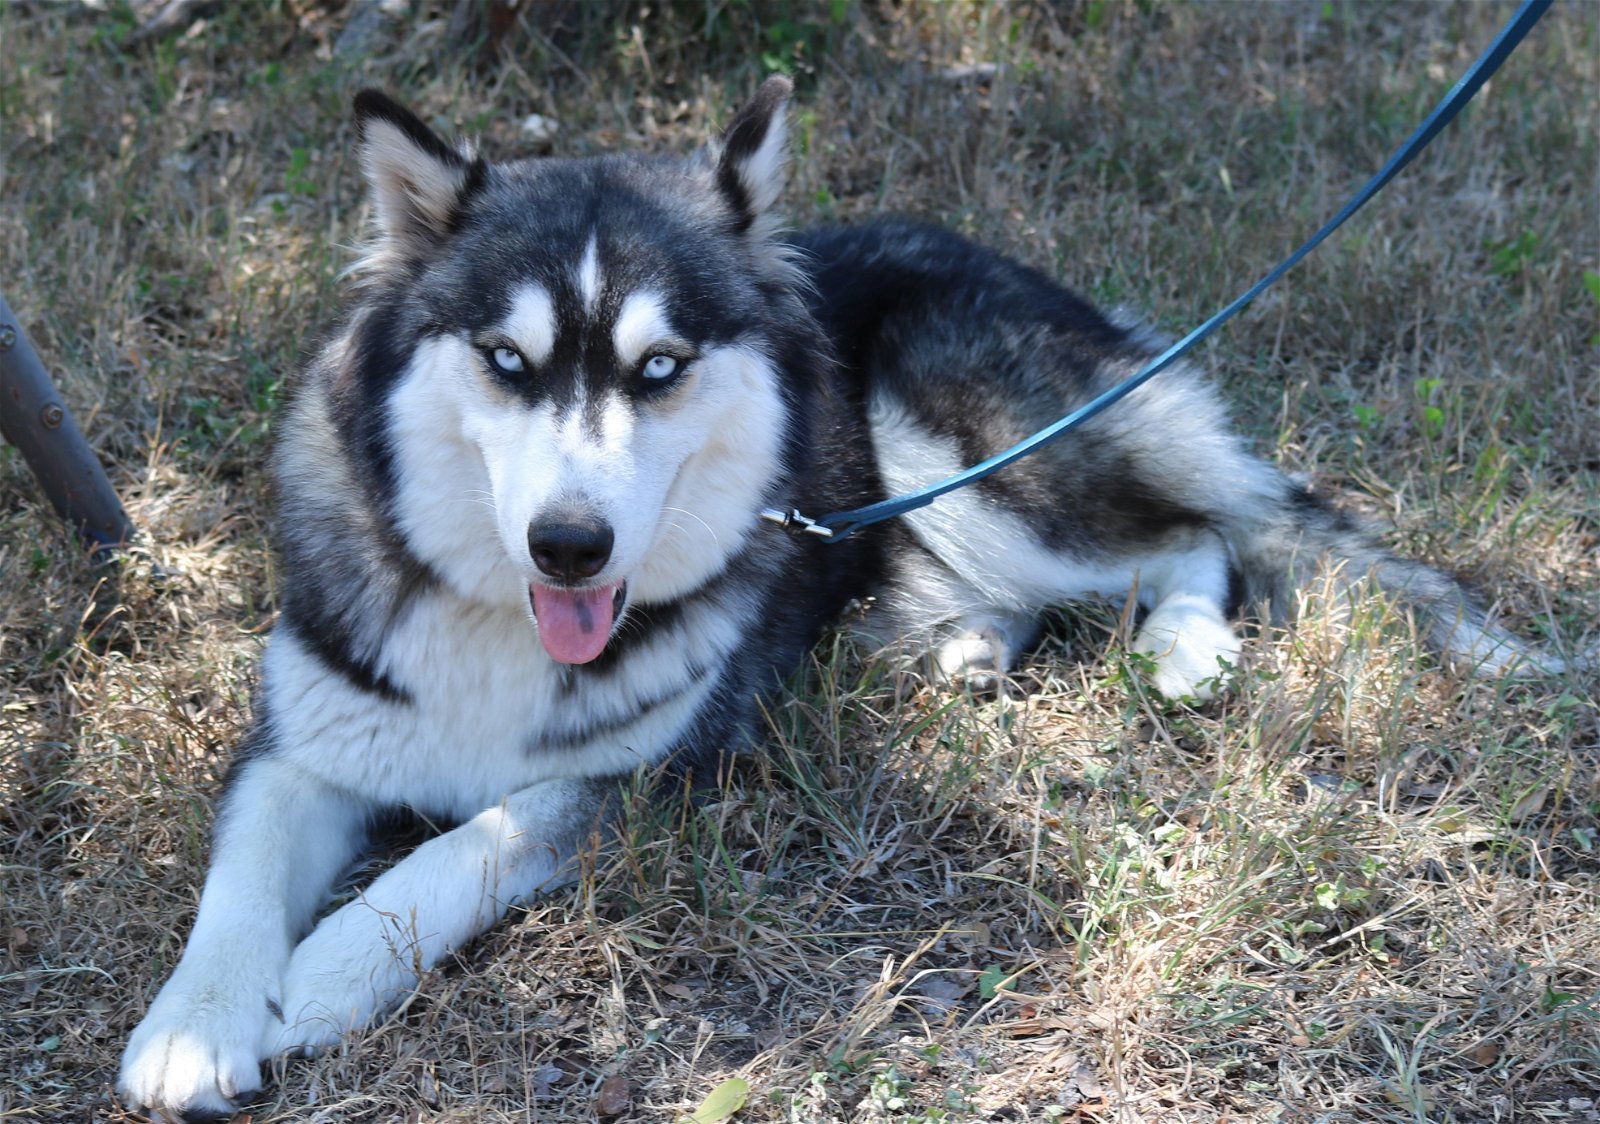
[1303, 536]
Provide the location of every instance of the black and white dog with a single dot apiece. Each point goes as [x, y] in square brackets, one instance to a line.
[522, 557]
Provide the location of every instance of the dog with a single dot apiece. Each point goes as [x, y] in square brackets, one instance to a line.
[519, 496]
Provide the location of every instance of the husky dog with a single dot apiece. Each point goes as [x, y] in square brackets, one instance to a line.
[522, 558]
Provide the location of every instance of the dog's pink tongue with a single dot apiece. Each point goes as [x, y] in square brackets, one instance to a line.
[574, 624]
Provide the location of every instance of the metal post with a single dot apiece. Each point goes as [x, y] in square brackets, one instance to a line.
[36, 421]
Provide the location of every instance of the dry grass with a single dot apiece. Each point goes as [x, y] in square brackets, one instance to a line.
[1360, 888]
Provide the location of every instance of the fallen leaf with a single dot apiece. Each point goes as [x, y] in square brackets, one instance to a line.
[941, 992]
[944, 986]
[975, 934]
[1088, 1083]
[722, 1102]
[992, 979]
[1407, 1097]
[1530, 804]
[1030, 1028]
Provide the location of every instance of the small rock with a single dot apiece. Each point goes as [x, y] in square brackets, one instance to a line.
[970, 72]
[367, 21]
[537, 127]
[615, 1096]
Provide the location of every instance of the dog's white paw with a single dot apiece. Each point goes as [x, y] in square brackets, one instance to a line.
[1189, 648]
[983, 650]
[975, 659]
[195, 1055]
[356, 964]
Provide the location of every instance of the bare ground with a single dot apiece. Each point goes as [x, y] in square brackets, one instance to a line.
[1362, 887]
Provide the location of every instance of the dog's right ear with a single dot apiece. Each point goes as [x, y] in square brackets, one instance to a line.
[418, 182]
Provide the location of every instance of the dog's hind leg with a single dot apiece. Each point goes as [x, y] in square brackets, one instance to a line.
[984, 646]
[934, 612]
[1187, 632]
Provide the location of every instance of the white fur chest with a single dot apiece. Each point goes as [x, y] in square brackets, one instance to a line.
[489, 711]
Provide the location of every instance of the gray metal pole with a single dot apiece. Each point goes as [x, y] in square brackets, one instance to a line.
[36, 421]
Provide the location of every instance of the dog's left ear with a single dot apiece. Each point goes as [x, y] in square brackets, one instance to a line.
[754, 160]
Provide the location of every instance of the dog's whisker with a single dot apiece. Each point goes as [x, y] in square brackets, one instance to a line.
[698, 520]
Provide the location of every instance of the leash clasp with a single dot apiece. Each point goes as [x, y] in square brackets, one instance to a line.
[792, 520]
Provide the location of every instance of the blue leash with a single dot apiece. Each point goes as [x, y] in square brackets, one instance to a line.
[843, 524]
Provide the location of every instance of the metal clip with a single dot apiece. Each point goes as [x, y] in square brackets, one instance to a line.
[792, 520]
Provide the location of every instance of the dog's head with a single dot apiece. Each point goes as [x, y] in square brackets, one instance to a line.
[588, 384]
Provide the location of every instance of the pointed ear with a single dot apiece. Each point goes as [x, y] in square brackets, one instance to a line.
[418, 182]
[754, 161]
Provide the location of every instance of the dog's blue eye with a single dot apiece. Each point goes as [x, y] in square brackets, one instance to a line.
[661, 367]
[507, 360]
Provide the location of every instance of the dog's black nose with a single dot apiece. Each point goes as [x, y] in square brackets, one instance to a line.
[570, 549]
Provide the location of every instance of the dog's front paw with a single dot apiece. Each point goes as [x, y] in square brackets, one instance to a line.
[357, 964]
[195, 1055]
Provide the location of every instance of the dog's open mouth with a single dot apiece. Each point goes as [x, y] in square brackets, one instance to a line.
[574, 624]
